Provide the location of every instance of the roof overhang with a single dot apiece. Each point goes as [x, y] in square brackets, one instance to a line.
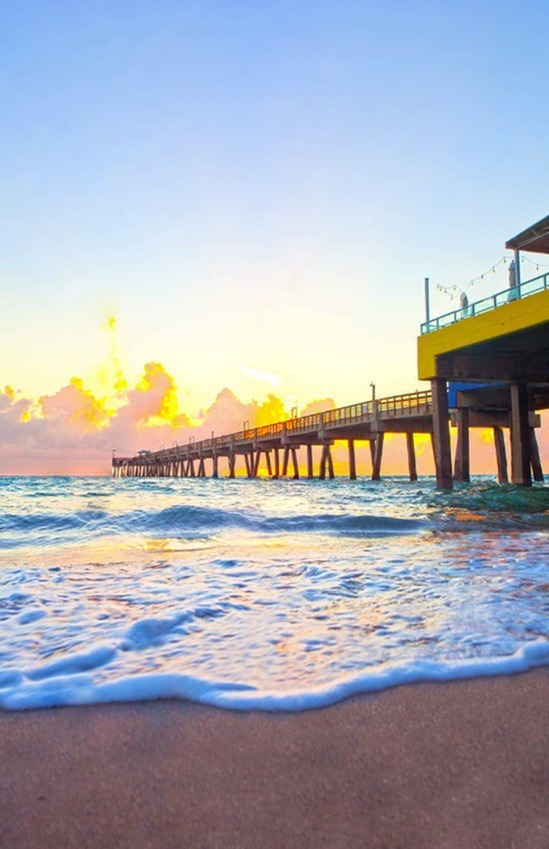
[535, 238]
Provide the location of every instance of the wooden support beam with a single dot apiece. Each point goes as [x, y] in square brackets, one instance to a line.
[215, 466]
[310, 471]
[277, 463]
[372, 443]
[535, 460]
[295, 464]
[330, 462]
[232, 463]
[269, 466]
[501, 456]
[520, 436]
[285, 460]
[376, 469]
[462, 464]
[411, 452]
[441, 434]
[352, 459]
[256, 463]
[322, 468]
[201, 468]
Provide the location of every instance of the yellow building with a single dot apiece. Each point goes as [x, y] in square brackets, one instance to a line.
[502, 344]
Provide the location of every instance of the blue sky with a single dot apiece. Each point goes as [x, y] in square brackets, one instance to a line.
[259, 183]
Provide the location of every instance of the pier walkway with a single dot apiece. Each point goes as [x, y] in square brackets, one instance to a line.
[278, 443]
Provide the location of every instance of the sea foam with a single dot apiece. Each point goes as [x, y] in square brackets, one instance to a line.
[19, 692]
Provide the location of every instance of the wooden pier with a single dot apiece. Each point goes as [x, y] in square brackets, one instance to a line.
[497, 348]
[274, 447]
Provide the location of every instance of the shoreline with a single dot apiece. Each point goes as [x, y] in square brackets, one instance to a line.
[455, 765]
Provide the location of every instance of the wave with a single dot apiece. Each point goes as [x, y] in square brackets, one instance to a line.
[481, 507]
[190, 522]
[493, 498]
[68, 683]
[49, 521]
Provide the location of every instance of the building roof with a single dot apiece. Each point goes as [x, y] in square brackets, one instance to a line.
[535, 238]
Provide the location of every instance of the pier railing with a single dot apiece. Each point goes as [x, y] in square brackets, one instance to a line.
[394, 406]
[506, 296]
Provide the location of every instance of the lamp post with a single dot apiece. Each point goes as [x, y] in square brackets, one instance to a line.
[373, 391]
[294, 413]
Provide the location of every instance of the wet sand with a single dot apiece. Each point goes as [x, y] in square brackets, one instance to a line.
[429, 766]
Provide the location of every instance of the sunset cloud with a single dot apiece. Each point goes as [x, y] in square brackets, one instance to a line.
[74, 430]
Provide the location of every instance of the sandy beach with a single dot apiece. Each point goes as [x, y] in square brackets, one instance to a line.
[459, 766]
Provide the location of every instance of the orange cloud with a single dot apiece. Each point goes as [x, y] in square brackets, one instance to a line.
[74, 405]
[156, 397]
[74, 430]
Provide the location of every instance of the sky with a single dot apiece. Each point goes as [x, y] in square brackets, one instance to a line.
[213, 210]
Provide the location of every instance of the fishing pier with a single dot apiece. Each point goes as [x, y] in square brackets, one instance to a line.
[487, 365]
[277, 444]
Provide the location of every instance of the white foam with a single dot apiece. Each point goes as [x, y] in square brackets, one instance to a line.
[18, 691]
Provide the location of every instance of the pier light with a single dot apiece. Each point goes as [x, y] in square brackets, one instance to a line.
[373, 386]
[294, 413]
[245, 425]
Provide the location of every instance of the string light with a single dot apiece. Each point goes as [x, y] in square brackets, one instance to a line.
[534, 262]
[455, 290]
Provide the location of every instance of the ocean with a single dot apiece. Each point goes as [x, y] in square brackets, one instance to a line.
[264, 594]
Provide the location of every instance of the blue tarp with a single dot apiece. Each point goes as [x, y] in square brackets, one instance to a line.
[454, 388]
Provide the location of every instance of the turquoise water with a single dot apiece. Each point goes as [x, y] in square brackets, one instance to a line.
[261, 593]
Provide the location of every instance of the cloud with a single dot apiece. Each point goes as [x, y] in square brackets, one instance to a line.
[264, 376]
[74, 406]
[74, 430]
